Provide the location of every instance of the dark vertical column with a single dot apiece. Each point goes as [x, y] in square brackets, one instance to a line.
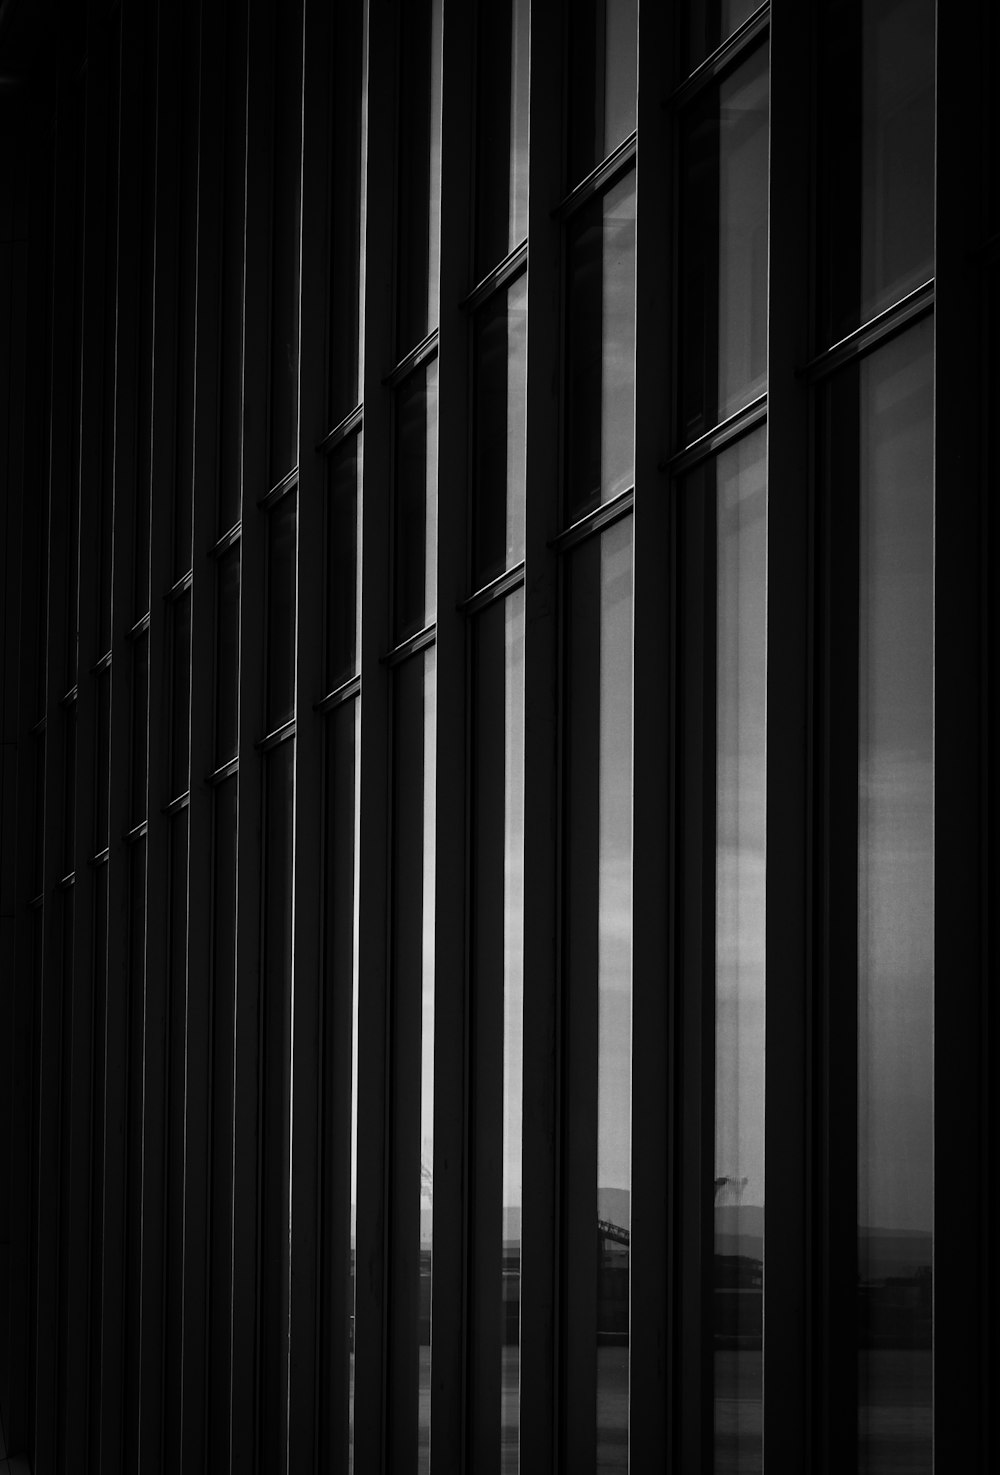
[965, 1031]
[370, 1308]
[450, 892]
[305, 1398]
[539, 1301]
[787, 1081]
[244, 1410]
[654, 1182]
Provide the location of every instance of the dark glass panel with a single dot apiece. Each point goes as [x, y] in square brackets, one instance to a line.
[103, 762]
[231, 274]
[227, 656]
[419, 175]
[412, 1003]
[286, 231]
[281, 551]
[276, 1005]
[340, 1086]
[415, 530]
[140, 727]
[501, 131]
[501, 361]
[896, 905]
[343, 589]
[597, 1000]
[600, 349]
[38, 830]
[876, 157]
[603, 60]
[723, 249]
[69, 794]
[180, 700]
[497, 1013]
[348, 128]
[708, 23]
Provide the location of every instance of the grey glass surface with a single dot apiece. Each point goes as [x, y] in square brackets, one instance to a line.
[140, 728]
[708, 23]
[286, 207]
[600, 349]
[603, 77]
[227, 655]
[501, 362]
[343, 587]
[740, 878]
[281, 562]
[896, 906]
[876, 199]
[415, 509]
[502, 131]
[180, 697]
[349, 127]
[723, 248]
[419, 174]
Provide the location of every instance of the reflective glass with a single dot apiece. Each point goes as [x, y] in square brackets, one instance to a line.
[597, 1001]
[103, 762]
[740, 873]
[419, 173]
[281, 553]
[415, 531]
[603, 71]
[501, 362]
[600, 349]
[348, 128]
[497, 1012]
[723, 248]
[343, 588]
[502, 131]
[412, 1170]
[708, 23]
[285, 232]
[231, 275]
[896, 906]
[180, 701]
[876, 168]
[227, 656]
[340, 1086]
[140, 727]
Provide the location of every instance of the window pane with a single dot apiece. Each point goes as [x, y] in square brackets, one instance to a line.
[102, 786]
[281, 550]
[227, 656]
[501, 361]
[180, 742]
[348, 128]
[419, 172]
[896, 906]
[600, 351]
[876, 202]
[140, 726]
[413, 1062]
[597, 1000]
[497, 998]
[740, 873]
[340, 1086]
[708, 23]
[603, 41]
[231, 274]
[286, 229]
[343, 590]
[416, 503]
[723, 249]
[502, 131]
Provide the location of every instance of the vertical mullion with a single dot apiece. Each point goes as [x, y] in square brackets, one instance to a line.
[73, 1399]
[160, 475]
[116, 1249]
[962, 1234]
[450, 1094]
[371, 1234]
[244, 1410]
[653, 1350]
[305, 1397]
[539, 1264]
[787, 1081]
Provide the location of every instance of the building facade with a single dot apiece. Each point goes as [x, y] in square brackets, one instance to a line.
[499, 685]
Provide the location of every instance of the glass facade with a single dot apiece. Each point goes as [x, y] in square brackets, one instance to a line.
[497, 821]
